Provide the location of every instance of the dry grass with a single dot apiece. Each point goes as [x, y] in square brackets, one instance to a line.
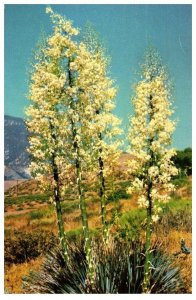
[171, 245]
[19, 222]
[128, 204]
[183, 261]
[14, 274]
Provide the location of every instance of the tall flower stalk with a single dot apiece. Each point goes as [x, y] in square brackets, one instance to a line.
[150, 135]
[102, 192]
[45, 140]
[71, 122]
[47, 120]
[105, 125]
[76, 139]
[74, 112]
[57, 200]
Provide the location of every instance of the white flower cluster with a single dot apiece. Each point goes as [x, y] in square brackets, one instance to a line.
[70, 106]
[150, 135]
[61, 24]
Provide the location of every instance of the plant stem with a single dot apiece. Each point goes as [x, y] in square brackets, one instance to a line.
[58, 207]
[102, 197]
[79, 184]
[147, 270]
[102, 190]
[77, 163]
[87, 246]
[57, 200]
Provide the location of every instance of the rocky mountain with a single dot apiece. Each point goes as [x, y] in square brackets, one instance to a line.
[16, 158]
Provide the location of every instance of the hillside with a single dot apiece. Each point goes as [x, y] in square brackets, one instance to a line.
[16, 158]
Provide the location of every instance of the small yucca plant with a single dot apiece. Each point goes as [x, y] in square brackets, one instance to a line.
[119, 268]
[57, 276]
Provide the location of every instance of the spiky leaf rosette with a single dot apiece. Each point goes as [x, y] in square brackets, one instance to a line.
[118, 269]
[58, 277]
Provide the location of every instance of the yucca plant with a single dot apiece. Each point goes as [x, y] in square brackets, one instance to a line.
[119, 268]
[57, 276]
[150, 138]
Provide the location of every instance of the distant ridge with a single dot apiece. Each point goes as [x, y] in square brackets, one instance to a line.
[16, 158]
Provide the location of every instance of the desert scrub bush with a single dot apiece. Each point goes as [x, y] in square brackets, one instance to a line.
[69, 207]
[42, 213]
[181, 180]
[119, 268]
[117, 195]
[133, 218]
[36, 215]
[124, 184]
[177, 203]
[176, 214]
[21, 246]
[74, 235]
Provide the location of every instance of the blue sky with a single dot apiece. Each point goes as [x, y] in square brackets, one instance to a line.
[126, 30]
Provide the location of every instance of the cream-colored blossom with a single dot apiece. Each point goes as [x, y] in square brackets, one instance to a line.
[150, 135]
[155, 218]
[143, 201]
[153, 172]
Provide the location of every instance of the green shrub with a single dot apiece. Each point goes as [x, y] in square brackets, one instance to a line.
[117, 195]
[124, 184]
[133, 217]
[176, 214]
[177, 204]
[131, 224]
[180, 181]
[68, 207]
[74, 235]
[36, 214]
[26, 199]
[183, 160]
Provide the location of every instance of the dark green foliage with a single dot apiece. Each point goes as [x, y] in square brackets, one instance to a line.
[131, 224]
[183, 161]
[118, 269]
[181, 181]
[19, 208]
[21, 246]
[124, 184]
[117, 195]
